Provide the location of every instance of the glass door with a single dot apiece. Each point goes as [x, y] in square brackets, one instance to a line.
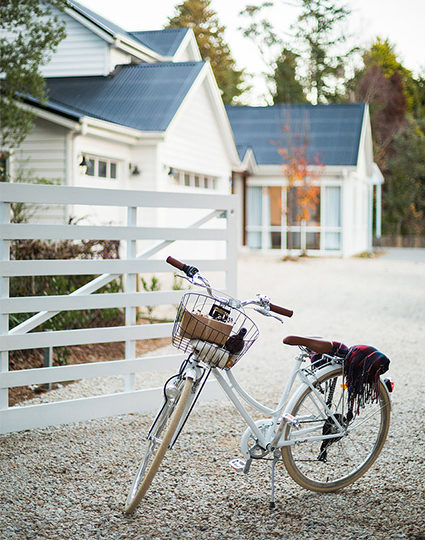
[331, 220]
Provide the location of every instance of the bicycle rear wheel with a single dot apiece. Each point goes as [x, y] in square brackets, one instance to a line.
[330, 465]
[158, 443]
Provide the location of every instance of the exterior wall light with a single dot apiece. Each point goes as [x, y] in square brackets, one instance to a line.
[83, 165]
[134, 170]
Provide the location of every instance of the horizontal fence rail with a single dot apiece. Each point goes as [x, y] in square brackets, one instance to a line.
[128, 267]
[81, 232]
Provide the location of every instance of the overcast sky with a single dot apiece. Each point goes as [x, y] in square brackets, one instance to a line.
[402, 21]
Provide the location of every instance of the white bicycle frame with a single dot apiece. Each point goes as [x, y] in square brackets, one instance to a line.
[273, 437]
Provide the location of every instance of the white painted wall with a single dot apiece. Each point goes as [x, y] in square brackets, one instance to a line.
[116, 57]
[356, 214]
[98, 147]
[43, 154]
[194, 141]
[81, 53]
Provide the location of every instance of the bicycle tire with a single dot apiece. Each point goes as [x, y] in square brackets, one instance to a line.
[155, 453]
[347, 458]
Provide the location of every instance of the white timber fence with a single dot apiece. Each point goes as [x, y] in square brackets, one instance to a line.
[25, 335]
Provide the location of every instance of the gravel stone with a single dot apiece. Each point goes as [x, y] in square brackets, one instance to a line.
[71, 481]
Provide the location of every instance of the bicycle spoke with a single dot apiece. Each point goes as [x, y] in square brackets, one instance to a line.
[328, 464]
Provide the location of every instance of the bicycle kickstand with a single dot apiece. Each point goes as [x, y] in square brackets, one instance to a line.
[276, 457]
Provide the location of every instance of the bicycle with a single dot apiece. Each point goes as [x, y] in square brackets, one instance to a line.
[323, 444]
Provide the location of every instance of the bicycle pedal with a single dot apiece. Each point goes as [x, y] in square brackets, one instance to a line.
[237, 464]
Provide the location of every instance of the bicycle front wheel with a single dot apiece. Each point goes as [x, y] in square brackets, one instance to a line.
[158, 443]
[330, 464]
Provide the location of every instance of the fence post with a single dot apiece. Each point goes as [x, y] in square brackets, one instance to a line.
[48, 361]
[4, 293]
[231, 251]
[131, 287]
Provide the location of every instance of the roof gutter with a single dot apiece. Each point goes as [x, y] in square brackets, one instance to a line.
[55, 118]
[117, 132]
[136, 49]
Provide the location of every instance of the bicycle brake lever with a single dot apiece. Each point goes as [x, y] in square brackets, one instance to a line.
[267, 313]
[184, 276]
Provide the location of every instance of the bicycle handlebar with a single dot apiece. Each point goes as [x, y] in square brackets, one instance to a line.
[281, 310]
[191, 271]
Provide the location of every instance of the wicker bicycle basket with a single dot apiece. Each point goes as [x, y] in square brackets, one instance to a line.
[218, 334]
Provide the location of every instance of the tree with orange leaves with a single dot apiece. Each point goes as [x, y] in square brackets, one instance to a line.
[302, 174]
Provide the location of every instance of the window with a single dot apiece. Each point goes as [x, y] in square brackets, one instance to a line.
[101, 167]
[332, 217]
[90, 167]
[254, 216]
[188, 179]
[113, 170]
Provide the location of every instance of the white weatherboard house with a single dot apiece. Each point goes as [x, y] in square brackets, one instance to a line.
[336, 142]
[142, 111]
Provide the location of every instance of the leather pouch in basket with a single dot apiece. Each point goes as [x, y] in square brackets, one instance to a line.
[197, 326]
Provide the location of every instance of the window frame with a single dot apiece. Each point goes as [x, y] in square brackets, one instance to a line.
[192, 180]
[96, 167]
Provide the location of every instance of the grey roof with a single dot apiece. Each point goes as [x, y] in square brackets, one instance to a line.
[164, 42]
[330, 133]
[50, 105]
[142, 96]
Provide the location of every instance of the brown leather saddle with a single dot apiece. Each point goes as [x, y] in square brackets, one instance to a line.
[318, 345]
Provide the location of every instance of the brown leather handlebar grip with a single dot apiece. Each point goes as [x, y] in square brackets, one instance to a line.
[281, 310]
[174, 262]
[190, 271]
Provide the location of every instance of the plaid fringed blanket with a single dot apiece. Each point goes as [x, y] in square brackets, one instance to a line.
[363, 366]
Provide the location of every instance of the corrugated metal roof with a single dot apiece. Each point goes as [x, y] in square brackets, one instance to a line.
[330, 133]
[142, 96]
[164, 42]
[50, 105]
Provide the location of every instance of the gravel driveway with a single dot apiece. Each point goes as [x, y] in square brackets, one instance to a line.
[70, 482]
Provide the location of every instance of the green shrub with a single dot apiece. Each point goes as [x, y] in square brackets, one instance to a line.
[62, 285]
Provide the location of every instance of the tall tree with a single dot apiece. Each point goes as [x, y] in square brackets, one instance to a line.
[404, 195]
[317, 41]
[288, 88]
[30, 31]
[209, 34]
[318, 32]
[399, 141]
[419, 97]
[388, 106]
[261, 31]
[256, 25]
[382, 54]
